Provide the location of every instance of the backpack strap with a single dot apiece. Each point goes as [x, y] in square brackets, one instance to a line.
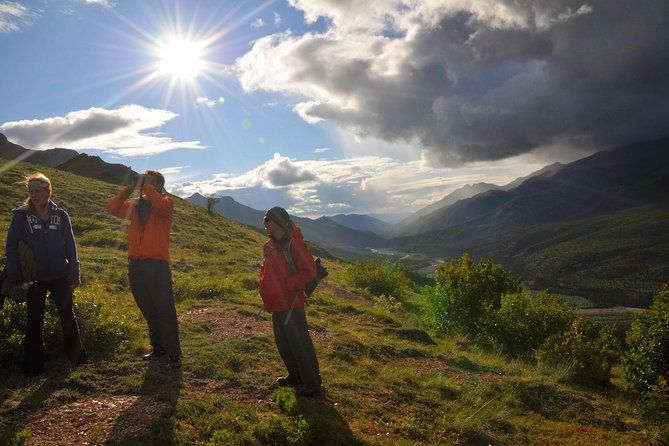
[289, 257]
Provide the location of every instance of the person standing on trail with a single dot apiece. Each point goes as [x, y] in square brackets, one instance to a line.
[40, 244]
[281, 288]
[149, 270]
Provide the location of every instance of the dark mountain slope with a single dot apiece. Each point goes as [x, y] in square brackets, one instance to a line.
[94, 167]
[49, 158]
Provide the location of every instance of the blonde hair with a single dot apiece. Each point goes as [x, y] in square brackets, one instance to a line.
[37, 176]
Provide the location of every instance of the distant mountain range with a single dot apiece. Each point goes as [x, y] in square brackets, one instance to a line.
[363, 223]
[340, 240]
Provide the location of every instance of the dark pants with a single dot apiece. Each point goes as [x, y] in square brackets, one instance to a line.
[61, 294]
[151, 285]
[296, 348]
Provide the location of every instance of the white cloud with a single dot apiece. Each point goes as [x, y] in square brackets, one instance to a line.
[105, 3]
[14, 16]
[205, 102]
[321, 150]
[277, 19]
[258, 23]
[123, 131]
[362, 184]
[473, 80]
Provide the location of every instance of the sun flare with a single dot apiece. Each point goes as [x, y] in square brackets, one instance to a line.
[180, 58]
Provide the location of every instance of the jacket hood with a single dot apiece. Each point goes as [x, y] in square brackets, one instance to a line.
[23, 208]
[296, 232]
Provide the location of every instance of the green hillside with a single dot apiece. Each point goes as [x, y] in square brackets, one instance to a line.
[388, 380]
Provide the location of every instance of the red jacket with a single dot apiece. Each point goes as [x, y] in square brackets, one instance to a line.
[278, 284]
[153, 240]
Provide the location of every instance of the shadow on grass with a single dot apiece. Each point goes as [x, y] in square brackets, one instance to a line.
[52, 379]
[150, 419]
[326, 425]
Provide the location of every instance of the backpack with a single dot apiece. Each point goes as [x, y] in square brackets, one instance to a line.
[321, 271]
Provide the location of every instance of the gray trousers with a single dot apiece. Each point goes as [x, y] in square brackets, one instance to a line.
[296, 348]
[151, 285]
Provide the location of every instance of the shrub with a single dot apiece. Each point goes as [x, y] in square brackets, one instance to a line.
[524, 322]
[469, 294]
[103, 327]
[646, 363]
[588, 350]
[379, 277]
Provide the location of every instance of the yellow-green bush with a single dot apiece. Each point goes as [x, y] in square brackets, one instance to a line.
[467, 295]
[586, 348]
[646, 363]
[379, 277]
[523, 322]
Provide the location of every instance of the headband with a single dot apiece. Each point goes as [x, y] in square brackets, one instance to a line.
[37, 184]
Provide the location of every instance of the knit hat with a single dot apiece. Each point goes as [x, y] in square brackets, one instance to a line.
[279, 216]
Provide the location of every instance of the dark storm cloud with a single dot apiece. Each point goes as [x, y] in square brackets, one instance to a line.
[471, 81]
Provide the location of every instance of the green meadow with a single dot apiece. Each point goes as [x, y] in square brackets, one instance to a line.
[389, 379]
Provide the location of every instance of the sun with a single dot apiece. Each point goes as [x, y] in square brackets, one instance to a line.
[180, 58]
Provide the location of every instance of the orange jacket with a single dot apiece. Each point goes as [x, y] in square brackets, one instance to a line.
[278, 284]
[153, 240]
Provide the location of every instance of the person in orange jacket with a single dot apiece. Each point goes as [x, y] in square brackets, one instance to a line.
[281, 288]
[149, 270]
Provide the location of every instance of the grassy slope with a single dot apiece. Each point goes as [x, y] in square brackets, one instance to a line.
[386, 383]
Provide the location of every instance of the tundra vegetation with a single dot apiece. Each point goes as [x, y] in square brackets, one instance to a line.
[474, 358]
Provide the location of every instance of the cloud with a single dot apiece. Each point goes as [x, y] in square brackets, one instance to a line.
[205, 102]
[321, 150]
[477, 80]
[14, 16]
[105, 3]
[277, 19]
[362, 184]
[122, 131]
[258, 23]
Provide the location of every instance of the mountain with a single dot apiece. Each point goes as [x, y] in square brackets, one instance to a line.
[597, 227]
[94, 167]
[340, 240]
[362, 223]
[49, 158]
[406, 226]
[603, 182]
[466, 191]
[544, 172]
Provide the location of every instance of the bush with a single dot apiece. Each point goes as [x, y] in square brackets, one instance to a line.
[468, 294]
[588, 350]
[524, 322]
[646, 363]
[379, 277]
[103, 327]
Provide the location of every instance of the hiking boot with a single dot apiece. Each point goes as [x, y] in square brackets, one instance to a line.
[175, 362]
[155, 354]
[284, 381]
[308, 392]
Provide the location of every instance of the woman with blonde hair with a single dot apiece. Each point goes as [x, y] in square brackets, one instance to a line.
[47, 231]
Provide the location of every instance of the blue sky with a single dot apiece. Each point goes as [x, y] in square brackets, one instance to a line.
[323, 106]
